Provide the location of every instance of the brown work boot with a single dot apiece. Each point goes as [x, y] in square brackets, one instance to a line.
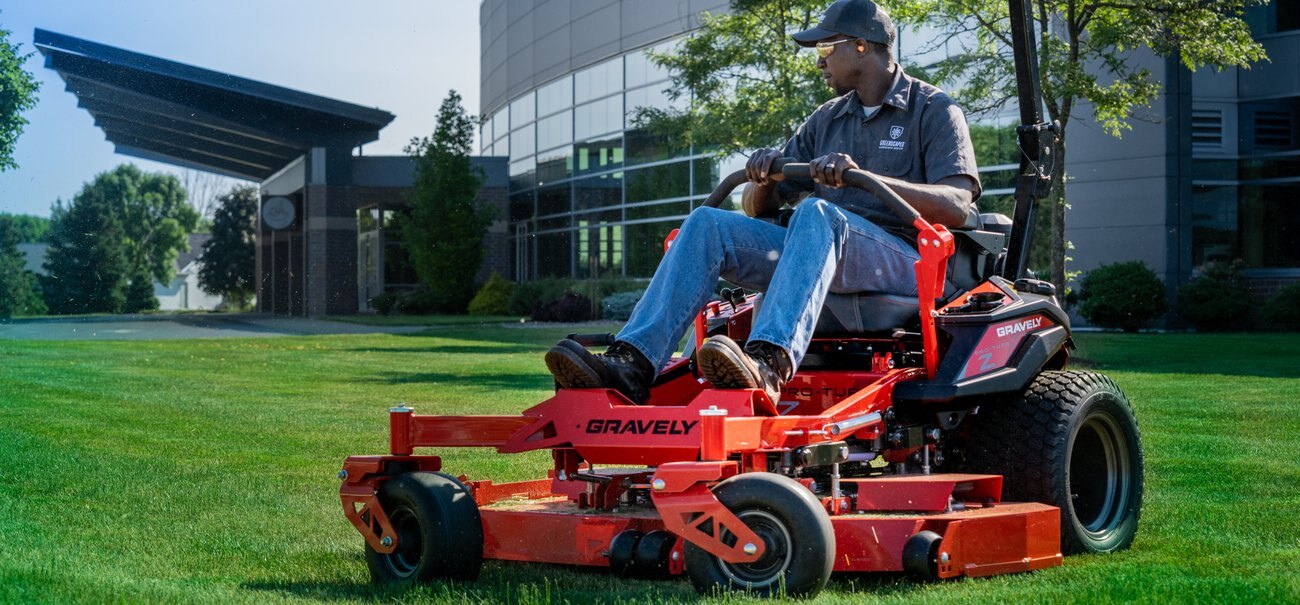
[759, 365]
[622, 368]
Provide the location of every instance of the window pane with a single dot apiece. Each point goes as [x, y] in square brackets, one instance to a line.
[644, 147]
[522, 141]
[555, 96]
[554, 165]
[1214, 224]
[596, 156]
[644, 246]
[599, 245]
[501, 123]
[555, 131]
[523, 173]
[553, 200]
[501, 146]
[554, 252]
[598, 80]
[605, 191]
[522, 111]
[367, 219]
[659, 182]
[521, 206]
[597, 118]
[670, 209]
[641, 70]
[1270, 225]
[650, 96]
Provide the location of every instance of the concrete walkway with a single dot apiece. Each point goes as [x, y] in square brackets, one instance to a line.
[152, 327]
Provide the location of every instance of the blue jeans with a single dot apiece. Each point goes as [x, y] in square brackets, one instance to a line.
[824, 249]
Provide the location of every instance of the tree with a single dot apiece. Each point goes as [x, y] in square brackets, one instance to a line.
[31, 229]
[17, 94]
[86, 260]
[229, 257]
[146, 216]
[18, 294]
[445, 228]
[748, 83]
[1086, 55]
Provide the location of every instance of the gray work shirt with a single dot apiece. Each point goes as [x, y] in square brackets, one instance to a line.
[919, 135]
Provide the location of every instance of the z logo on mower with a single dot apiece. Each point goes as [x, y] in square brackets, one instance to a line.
[641, 427]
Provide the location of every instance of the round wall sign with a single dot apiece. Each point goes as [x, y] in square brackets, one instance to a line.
[278, 212]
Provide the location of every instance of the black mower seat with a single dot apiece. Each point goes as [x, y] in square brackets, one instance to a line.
[866, 312]
[979, 242]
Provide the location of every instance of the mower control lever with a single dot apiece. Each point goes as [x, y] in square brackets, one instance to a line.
[787, 168]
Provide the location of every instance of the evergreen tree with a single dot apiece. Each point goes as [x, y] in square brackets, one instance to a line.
[229, 257]
[139, 294]
[86, 260]
[17, 286]
[445, 229]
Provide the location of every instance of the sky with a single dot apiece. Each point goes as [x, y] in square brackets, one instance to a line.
[402, 56]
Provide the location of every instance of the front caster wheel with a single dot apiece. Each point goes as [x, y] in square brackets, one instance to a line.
[439, 533]
[921, 556]
[796, 532]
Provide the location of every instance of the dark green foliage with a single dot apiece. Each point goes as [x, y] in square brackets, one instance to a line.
[385, 303]
[529, 294]
[17, 94]
[1217, 300]
[618, 306]
[1122, 295]
[86, 260]
[19, 292]
[445, 229]
[1087, 60]
[139, 294]
[124, 224]
[493, 298]
[749, 84]
[1282, 311]
[229, 257]
[995, 145]
[31, 229]
[568, 308]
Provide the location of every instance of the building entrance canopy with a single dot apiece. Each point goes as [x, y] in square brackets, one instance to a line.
[197, 118]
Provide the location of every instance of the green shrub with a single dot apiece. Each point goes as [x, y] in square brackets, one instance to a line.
[529, 293]
[618, 306]
[571, 307]
[1123, 295]
[1217, 300]
[1282, 311]
[493, 298]
[423, 301]
[385, 303]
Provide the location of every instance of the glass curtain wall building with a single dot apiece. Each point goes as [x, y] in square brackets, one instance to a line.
[591, 195]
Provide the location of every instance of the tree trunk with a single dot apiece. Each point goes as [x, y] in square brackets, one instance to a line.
[1057, 204]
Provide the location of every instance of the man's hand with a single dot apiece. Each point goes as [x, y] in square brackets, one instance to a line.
[829, 169]
[759, 166]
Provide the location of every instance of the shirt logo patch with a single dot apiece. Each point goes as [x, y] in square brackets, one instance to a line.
[895, 132]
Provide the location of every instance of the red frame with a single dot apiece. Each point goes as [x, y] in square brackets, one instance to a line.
[689, 438]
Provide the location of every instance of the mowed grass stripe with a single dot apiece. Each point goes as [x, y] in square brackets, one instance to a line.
[203, 471]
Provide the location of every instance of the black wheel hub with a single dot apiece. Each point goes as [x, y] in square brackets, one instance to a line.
[776, 556]
[1101, 475]
[404, 561]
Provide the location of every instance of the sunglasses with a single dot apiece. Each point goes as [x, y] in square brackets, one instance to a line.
[824, 49]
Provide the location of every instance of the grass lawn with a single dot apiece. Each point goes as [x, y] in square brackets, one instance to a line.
[425, 320]
[203, 471]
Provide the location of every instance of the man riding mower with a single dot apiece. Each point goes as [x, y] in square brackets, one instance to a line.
[900, 402]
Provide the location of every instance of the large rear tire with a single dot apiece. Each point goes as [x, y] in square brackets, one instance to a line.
[1070, 440]
[796, 532]
[439, 532]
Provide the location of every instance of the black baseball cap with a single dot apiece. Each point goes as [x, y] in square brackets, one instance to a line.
[853, 18]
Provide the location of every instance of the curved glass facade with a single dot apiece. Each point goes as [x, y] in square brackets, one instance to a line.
[590, 195]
